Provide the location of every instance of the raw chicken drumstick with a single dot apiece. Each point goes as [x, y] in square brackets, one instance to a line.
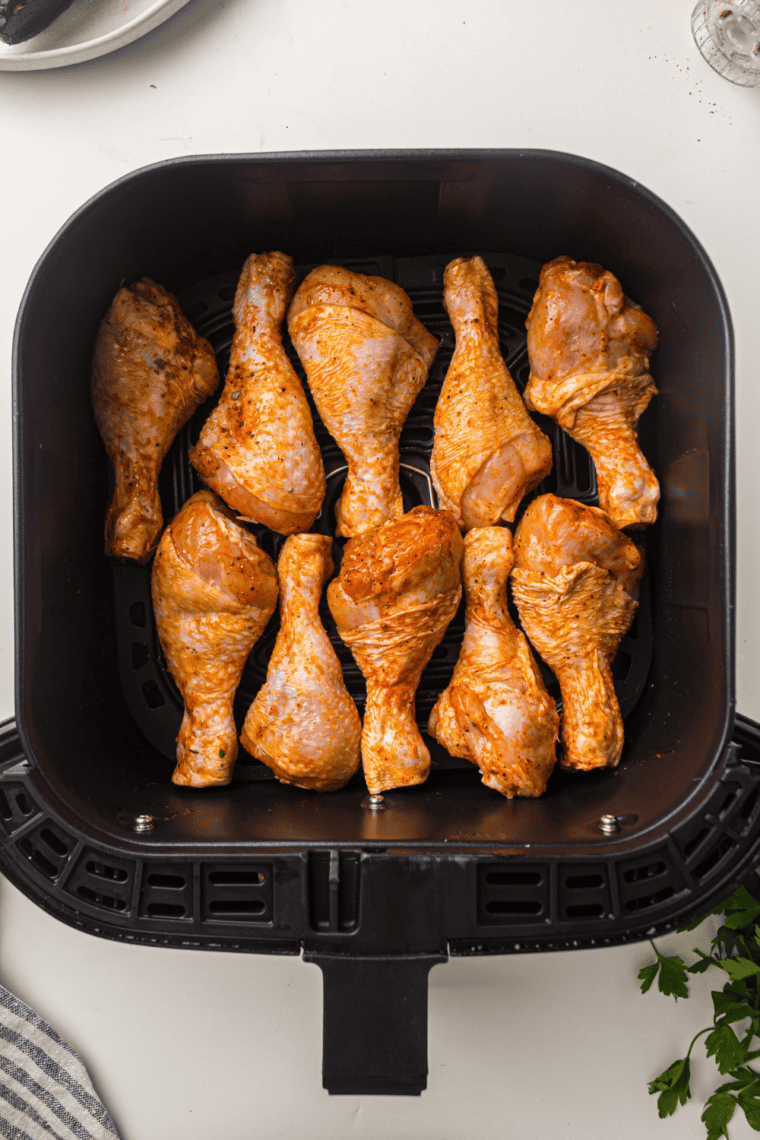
[213, 591]
[487, 453]
[496, 711]
[366, 358]
[150, 371]
[589, 352]
[303, 723]
[257, 449]
[576, 585]
[398, 589]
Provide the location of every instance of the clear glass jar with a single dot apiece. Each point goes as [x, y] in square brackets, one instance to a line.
[727, 32]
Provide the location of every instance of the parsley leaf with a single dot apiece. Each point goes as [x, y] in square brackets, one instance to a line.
[673, 1086]
[736, 950]
[718, 1111]
[738, 968]
[728, 1008]
[672, 979]
[647, 975]
[745, 908]
[724, 1045]
[751, 1108]
[703, 963]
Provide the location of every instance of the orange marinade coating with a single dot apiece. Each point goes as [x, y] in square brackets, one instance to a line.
[257, 449]
[398, 588]
[487, 453]
[576, 586]
[496, 711]
[150, 371]
[366, 358]
[303, 723]
[213, 592]
[589, 349]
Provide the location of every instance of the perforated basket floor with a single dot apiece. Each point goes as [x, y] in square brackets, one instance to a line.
[152, 696]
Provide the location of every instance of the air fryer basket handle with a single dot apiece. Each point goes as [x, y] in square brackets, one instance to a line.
[374, 1036]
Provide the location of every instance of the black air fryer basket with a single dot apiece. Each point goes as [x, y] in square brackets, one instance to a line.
[375, 898]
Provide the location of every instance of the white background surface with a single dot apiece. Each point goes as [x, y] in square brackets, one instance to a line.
[193, 1045]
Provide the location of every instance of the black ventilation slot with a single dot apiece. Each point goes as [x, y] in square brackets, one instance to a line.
[100, 899]
[529, 285]
[508, 895]
[236, 892]
[639, 874]
[513, 906]
[643, 902]
[103, 881]
[513, 878]
[137, 614]
[38, 859]
[236, 878]
[584, 910]
[166, 891]
[583, 891]
[714, 857]
[334, 883]
[165, 910]
[231, 908]
[584, 882]
[16, 806]
[106, 871]
[154, 698]
[48, 849]
[647, 882]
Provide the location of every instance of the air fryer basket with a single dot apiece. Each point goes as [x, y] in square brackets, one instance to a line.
[375, 898]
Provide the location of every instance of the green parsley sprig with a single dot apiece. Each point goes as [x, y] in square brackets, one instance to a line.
[735, 950]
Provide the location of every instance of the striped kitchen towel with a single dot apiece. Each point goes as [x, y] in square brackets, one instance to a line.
[45, 1091]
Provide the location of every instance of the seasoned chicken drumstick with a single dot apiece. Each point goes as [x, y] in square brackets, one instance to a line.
[257, 449]
[576, 585]
[496, 711]
[150, 371]
[488, 453]
[213, 591]
[303, 723]
[589, 352]
[398, 589]
[366, 358]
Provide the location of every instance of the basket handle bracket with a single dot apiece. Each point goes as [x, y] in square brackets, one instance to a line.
[374, 1029]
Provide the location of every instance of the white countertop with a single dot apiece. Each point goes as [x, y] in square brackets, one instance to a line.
[198, 1045]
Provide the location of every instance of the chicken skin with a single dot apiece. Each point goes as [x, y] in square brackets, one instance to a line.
[257, 449]
[150, 371]
[398, 589]
[589, 352]
[366, 358]
[213, 592]
[303, 724]
[576, 585]
[496, 711]
[488, 453]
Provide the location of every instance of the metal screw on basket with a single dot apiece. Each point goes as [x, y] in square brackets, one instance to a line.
[143, 823]
[609, 824]
[375, 803]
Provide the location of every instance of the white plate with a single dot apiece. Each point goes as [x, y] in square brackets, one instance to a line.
[87, 29]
